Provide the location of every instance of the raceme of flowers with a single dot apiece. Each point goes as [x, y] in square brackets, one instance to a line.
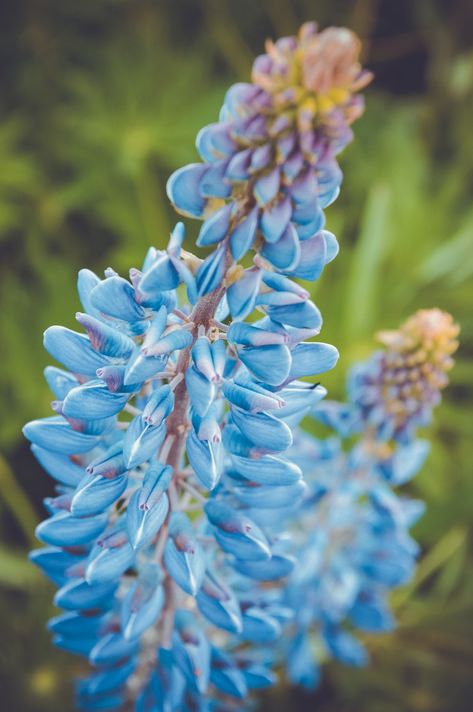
[177, 401]
[353, 529]
[183, 537]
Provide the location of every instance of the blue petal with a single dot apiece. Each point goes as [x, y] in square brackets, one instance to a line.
[86, 281]
[241, 295]
[108, 564]
[93, 401]
[66, 530]
[201, 390]
[79, 595]
[226, 676]
[263, 430]
[252, 400]
[115, 297]
[94, 494]
[142, 604]
[191, 652]
[158, 406]
[73, 350]
[145, 520]
[274, 568]
[141, 442]
[313, 258]
[266, 187]
[214, 183]
[345, 647]
[211, 272]
[54, 562]
[303, 315]
[215, 228]
[259, 627]
[275, 219]
[250, 335]
[183, 555]
[270, 364]
[60, 467]
[141, 367]
[285, 253]
[112, 648]
[206, 459]
[162, 276]
[242, 237]
[270, 496]
[109, 464]
[238, 168]
[236, 533]
[268, 469]
[59, 381]
[76, 624]
[312, 358]
[172, 341]
[218, 604]
[214, 142]
[183, 190]
[56, 434]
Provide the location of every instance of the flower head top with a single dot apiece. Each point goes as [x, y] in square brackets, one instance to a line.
[400, 385]
[314, 73]
[269, 164]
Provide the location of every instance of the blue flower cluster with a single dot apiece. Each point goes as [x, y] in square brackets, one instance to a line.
[180, 500]
[353, 529]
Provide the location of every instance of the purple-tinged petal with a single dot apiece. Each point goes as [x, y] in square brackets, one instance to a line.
[261, 157]
[109, 464]
[155, 484]
[105, 338]
[214, 142]
[238, 168]
[236, 533]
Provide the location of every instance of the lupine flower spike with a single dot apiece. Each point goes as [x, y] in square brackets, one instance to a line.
[173, 419]
[354, 534]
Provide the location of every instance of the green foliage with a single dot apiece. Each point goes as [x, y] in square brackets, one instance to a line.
[102, 101]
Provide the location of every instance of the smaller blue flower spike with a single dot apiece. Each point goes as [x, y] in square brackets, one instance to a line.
[355, 527]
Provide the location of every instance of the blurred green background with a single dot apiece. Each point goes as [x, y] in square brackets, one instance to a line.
[100, 101]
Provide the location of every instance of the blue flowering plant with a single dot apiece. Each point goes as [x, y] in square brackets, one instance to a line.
[353, 526]
[172, 445]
